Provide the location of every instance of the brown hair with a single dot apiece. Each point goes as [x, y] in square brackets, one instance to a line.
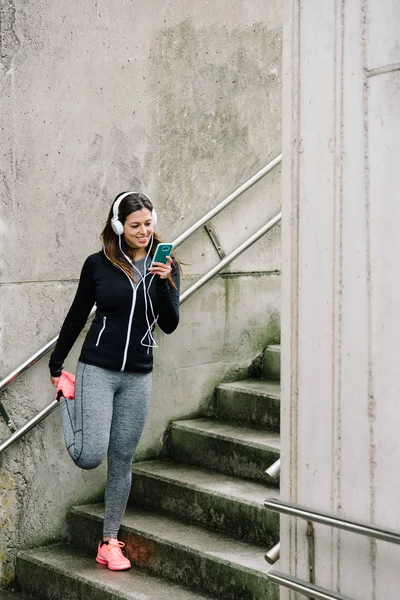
[128, 205]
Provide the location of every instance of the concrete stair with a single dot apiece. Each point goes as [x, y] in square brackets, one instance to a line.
[226, 447]
[195, 526]
[15, 595]
[252, 402]
[68, 573]
[220, 502]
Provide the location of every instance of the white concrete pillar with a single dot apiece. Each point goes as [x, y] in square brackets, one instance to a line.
[341, 288]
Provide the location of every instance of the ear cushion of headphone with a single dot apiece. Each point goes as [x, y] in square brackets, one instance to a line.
[117, 226]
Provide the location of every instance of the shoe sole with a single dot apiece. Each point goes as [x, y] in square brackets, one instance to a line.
[101, 561]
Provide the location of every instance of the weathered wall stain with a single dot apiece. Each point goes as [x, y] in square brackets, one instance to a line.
[10, 495]
[217, 94]
[273, 333]
[9, 41]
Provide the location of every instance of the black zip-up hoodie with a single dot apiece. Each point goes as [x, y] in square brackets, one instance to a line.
[114, 340]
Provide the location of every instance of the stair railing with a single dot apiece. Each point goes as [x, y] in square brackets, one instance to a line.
[313, 592]
[17, 434]
[313, 516]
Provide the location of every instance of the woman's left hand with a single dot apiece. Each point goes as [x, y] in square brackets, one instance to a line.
[161, 269]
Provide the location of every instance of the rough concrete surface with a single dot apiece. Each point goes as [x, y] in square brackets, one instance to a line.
[340, 369]
[15, 595]
[181, 101]
[255, 402]
[271, 363]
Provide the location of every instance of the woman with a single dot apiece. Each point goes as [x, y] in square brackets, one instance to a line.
[113, 378]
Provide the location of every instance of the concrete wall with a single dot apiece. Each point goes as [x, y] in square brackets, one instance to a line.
[181, 100]
[341, 288]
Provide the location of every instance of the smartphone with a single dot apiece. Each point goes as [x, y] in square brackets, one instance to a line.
[162, 251]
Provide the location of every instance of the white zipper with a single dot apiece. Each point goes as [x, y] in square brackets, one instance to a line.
[101, 332]
[130, 321]
[132, 311]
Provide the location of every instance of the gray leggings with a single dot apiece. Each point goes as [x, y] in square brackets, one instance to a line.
[107, 416]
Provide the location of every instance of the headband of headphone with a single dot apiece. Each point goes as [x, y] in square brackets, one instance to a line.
[116, 224]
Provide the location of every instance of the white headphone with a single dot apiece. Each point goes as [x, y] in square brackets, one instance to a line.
[116, 224]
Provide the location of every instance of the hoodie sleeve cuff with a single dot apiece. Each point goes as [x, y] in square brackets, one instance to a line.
[55, 372]
[55, 369]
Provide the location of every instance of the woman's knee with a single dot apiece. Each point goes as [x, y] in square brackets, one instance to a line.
[122, 456]
[88, 462]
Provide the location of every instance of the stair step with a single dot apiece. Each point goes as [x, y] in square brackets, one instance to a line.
[272, 363]
[16, 595]
[252, 401]
[218, 501]
[223, 446]
[63, 572]
[226, 568]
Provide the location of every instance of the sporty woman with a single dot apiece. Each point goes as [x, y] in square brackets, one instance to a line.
[114, 373]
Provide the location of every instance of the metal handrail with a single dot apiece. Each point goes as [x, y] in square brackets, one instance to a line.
[212, 213]
[274, 554]
[274, 470]
[203, 280]
[293, 510]
[307, 589]
[240, 190]
[29, 425]
[28, 363]
[369, 530]
[228, 259]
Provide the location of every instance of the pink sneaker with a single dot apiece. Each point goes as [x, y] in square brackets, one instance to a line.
[109, 553]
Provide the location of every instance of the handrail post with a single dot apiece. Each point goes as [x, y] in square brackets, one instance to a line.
[220, 207]
[228, 259]
[29, 425]
[313, 516]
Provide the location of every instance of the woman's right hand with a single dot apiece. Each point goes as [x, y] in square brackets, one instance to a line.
[54, 380]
